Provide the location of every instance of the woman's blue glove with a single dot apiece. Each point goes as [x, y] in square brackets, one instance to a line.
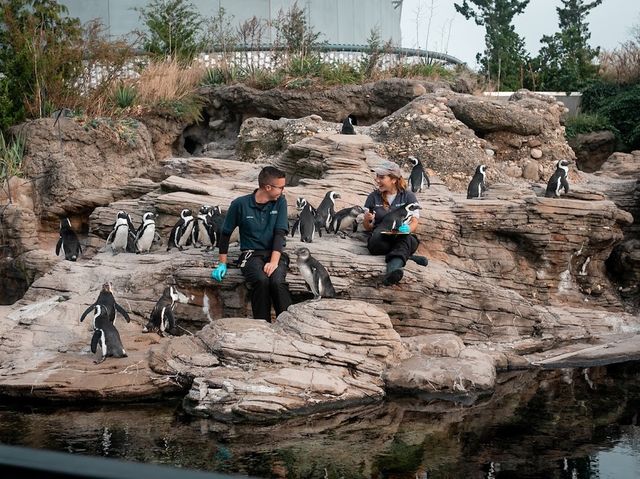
[404, 229]
[219, 272]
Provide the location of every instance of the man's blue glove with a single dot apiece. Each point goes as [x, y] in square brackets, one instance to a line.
[404, 229]
[219, 272]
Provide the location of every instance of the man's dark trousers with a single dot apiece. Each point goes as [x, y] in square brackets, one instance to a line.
[266, 290]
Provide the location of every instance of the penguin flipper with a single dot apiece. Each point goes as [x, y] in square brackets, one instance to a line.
[565, 185]
[355, 226]
[58, 246]
[121, 310]
[95, 340]
[87, 311]
[171, 319]
[295, 227]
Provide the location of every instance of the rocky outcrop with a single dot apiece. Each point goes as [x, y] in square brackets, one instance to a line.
[593, 149]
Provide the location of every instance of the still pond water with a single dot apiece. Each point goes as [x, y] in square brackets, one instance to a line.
[574, 424]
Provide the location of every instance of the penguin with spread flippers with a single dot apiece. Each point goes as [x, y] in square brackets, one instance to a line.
[315, 275]
[108, 303]
[118, 239]
[558, 180]
[68, 243]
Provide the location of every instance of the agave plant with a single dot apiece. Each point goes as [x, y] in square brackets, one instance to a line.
[125, 95]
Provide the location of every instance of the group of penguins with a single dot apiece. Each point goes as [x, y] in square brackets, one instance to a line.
[104, 311]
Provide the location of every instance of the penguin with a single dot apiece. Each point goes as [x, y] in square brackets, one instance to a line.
[108, 303]
[347, 215]
[119, 236]
[418, 176]
[326, 211]
[146, 233]
[216, 220]
[162, 318]
[131, 238]
[181, 231]
[307, 224]
[477, 186]
[558, 180]
[203, 233]
[68, 242]
[398, 216]
[347, 126]
[106, 336]
[315, 275]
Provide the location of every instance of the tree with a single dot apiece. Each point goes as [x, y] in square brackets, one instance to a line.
[504, 58]
[565, 61]
[174, 28]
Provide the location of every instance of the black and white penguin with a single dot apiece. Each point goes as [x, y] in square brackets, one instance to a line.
[106, 336]
[558, 180]
[108, 303]
[181, 232]
[162, 318]
[327, 210]
[347, 217]
[68, 242]
[315, 275]
[119, 236]
[401, 215]
[347, 125]
[306, 223]
[418, 176]
[146, 234]
[216, 220]
[202, 233]
[477, 186]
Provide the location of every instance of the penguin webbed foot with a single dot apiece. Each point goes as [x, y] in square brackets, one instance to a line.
[317, 298]
[98, 361]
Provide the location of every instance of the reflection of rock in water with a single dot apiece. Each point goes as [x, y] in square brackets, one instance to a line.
[535, 425]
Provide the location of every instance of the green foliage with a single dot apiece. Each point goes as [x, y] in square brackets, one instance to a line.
[504, 59]
[421, 70]
[188, 109]
[586, 123]
[41, 57]
[125, 95]
[174, 29]
[11, 155]
[565, 61]
[597, 95]
[340, 73]
[220, 34]
[300, 65]
[369, 62]
[294, 32]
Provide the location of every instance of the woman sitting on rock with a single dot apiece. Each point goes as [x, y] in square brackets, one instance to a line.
[386, 213]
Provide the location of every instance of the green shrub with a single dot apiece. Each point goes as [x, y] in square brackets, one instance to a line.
[305, 65]
[596, 95]
[586, 123]
[340, 73]
[623, 111]
[11, 155]
[125, 96]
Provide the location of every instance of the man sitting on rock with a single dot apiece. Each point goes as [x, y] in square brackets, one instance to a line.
[262, 219]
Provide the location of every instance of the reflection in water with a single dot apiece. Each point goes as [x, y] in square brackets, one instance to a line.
[555, 424]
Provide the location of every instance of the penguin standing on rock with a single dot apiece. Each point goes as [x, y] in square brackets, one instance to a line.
[558, 180]
[181, 232]
[306, 221]
[418, 176]
[68, 242]
[349, 216]
[315, 275]
[202, 233]
[477, 186]
[146, 233]
[105, 335]
[347, 126]
[162, 318]
[119, 236]
[108, 304]
[326, 211]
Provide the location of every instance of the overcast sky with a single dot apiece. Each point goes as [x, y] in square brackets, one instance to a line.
[450, 32]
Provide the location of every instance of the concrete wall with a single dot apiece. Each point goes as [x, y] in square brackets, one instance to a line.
[340, 21]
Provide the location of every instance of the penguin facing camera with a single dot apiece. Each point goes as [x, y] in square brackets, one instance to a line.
[477, 185]
[181, 232]
[162, 318]
[215, 222]
[108, 304]
[558, 180]
[202, 234]
[146, 234]
[118, 239]
[306, 223]
[347, 125]
[418, 177]
[399, 216]
[315, 275]
[68, 242]
[347, 217]
[106, 336]
[326, 211]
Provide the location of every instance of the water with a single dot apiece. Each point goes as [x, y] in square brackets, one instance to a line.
[574, 424]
